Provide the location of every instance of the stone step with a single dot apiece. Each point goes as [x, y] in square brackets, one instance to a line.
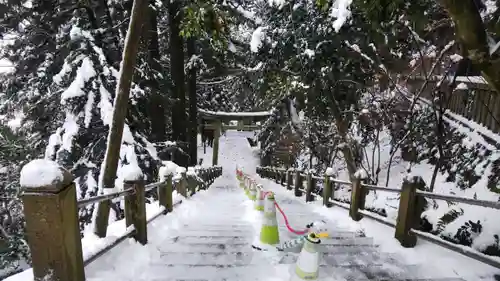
[204, 247]
[214, 272]
[246, 278]
[347, 259]
[215, 227]
[211, 239]
[207, 272]
[217, 232]
[239, 247]
[221, 258]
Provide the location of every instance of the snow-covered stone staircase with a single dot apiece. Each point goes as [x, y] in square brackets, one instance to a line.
[217, 246]
[348, 255]
[214, 243]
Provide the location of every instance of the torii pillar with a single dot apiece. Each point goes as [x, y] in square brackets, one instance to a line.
[217, 128]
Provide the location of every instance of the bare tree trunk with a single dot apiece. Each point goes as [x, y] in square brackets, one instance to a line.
[120, 110]
[177, 72]
[191, 86]
[472, 33]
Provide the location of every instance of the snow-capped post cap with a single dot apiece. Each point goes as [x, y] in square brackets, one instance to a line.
[329, 172]
[361, 174]
[169, 168]
[180, 170]
[191, 171]
[132, 173]
[414, 179]
[43, 175]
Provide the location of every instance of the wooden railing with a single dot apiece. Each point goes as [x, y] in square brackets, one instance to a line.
[411, 204]
[52, 226]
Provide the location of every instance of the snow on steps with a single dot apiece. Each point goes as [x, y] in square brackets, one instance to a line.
[216, 245]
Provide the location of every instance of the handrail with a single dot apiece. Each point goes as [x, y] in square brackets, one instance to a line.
[41, 228]
[152, 186]
[404, 230]
[103, 197]
[341, 182]
[425, 194]
[460, 199]
[381, 188]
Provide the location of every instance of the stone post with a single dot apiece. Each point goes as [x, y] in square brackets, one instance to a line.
[52, 228]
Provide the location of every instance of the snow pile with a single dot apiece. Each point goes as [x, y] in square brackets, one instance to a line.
[340, 11]
[41, 172]
[131, 172]
[191, 171]
[258, 36]
[329, 172]
[168, 169]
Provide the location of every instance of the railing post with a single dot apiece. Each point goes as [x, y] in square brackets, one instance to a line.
[182, 185]
[283, 177]
[192, 182]
[135, 210]
[165, 194]
[358, 196]
[311, 182]
[297, 183]
[410, 208]
[327, 190]
[276, 176]
[52, 228]
[215, 148]
[289, 179]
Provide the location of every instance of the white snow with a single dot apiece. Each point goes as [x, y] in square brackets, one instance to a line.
[455, 57]
[361, 174]
[40, 172]
[229, 209]
[277, 3]
[258, 37]
[131, 172]
[70, 128]
[16, 122]
[340, 12]
[462, 86]
[84, 73]
[168, 169]
[236, 114]
[191, 171]
[329, 172]
[310, 53]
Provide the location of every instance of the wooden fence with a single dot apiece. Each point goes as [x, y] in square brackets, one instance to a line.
[52, 226]
[411, 204]
[477, 102]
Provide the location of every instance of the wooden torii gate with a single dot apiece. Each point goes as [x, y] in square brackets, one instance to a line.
[216, 119]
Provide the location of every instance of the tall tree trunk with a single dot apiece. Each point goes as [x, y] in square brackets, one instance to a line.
[191, 87]
[177, 72]
[471, 31]
[157, 100]
[120, 110]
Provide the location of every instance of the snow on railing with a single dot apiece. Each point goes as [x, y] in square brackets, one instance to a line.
[51, 213]
[411, 204]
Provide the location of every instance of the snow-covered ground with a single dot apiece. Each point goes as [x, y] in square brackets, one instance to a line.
[435, 261]
[225, 207]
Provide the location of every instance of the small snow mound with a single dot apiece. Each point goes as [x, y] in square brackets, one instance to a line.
[462, 86]
[132, 172]
[191, 171]
[329, 172]
[361, 174]
[180, 170]
[41, 172]
[167, 170]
